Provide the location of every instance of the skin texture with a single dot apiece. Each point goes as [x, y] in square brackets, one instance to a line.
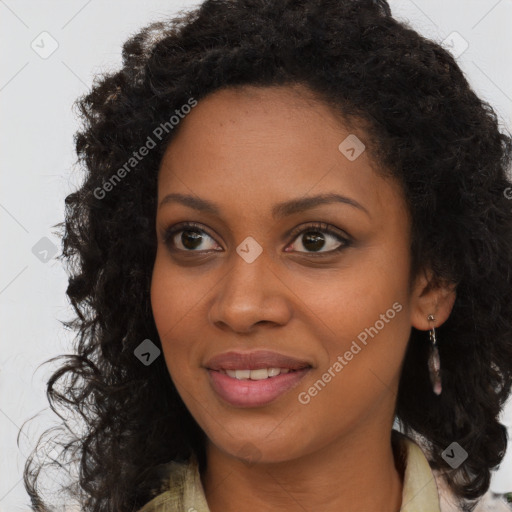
[247, 150]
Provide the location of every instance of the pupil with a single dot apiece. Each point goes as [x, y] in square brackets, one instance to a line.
[196, 239]
[318, 241]
[314, 240]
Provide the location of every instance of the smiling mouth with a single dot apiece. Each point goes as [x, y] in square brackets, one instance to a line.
[244, 391]
[258, 374]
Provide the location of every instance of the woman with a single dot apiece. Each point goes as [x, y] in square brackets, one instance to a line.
[294, 229]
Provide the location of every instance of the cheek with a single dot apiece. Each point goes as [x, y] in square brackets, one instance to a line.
[361, 365]
[176, 296]
[172, 305]
[366, 310]
[164, 303]
[370, 294]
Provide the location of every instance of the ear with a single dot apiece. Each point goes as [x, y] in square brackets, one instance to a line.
[431, 298]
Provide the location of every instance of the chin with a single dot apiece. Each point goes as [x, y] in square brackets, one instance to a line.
[252, 452]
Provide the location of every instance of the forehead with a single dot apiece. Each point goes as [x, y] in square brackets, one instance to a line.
[263, 145]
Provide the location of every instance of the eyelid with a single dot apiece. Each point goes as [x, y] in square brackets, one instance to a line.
[320, 226]
[169, 232]
[341, 235]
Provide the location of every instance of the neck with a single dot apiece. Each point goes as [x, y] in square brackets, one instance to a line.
[360, 473]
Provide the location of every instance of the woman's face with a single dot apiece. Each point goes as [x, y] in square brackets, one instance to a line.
[255, 274]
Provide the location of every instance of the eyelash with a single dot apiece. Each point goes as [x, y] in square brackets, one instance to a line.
[169, 233]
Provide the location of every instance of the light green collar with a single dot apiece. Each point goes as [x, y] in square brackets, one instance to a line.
[186, 494]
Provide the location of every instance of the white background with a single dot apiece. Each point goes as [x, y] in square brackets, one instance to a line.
[37, 167]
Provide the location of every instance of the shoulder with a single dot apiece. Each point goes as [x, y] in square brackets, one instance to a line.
[419, 476]
[449, 502]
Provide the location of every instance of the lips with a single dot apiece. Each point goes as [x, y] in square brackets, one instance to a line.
[254, 393]
[254, 361]
[238, 389]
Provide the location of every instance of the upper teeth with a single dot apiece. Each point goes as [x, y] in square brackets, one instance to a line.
[259, 374]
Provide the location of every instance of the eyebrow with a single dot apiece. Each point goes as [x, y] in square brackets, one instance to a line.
[279, 210]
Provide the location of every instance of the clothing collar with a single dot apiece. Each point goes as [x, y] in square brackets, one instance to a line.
[185, 492]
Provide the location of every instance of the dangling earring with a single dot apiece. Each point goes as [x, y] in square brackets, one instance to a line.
[434, 363]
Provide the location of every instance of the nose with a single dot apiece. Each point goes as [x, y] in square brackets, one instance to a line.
[251, 294]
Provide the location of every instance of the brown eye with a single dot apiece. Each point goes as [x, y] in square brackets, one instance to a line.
[188, 237]
[315, 238]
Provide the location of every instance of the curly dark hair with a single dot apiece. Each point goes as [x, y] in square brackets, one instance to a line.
[425, 126]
